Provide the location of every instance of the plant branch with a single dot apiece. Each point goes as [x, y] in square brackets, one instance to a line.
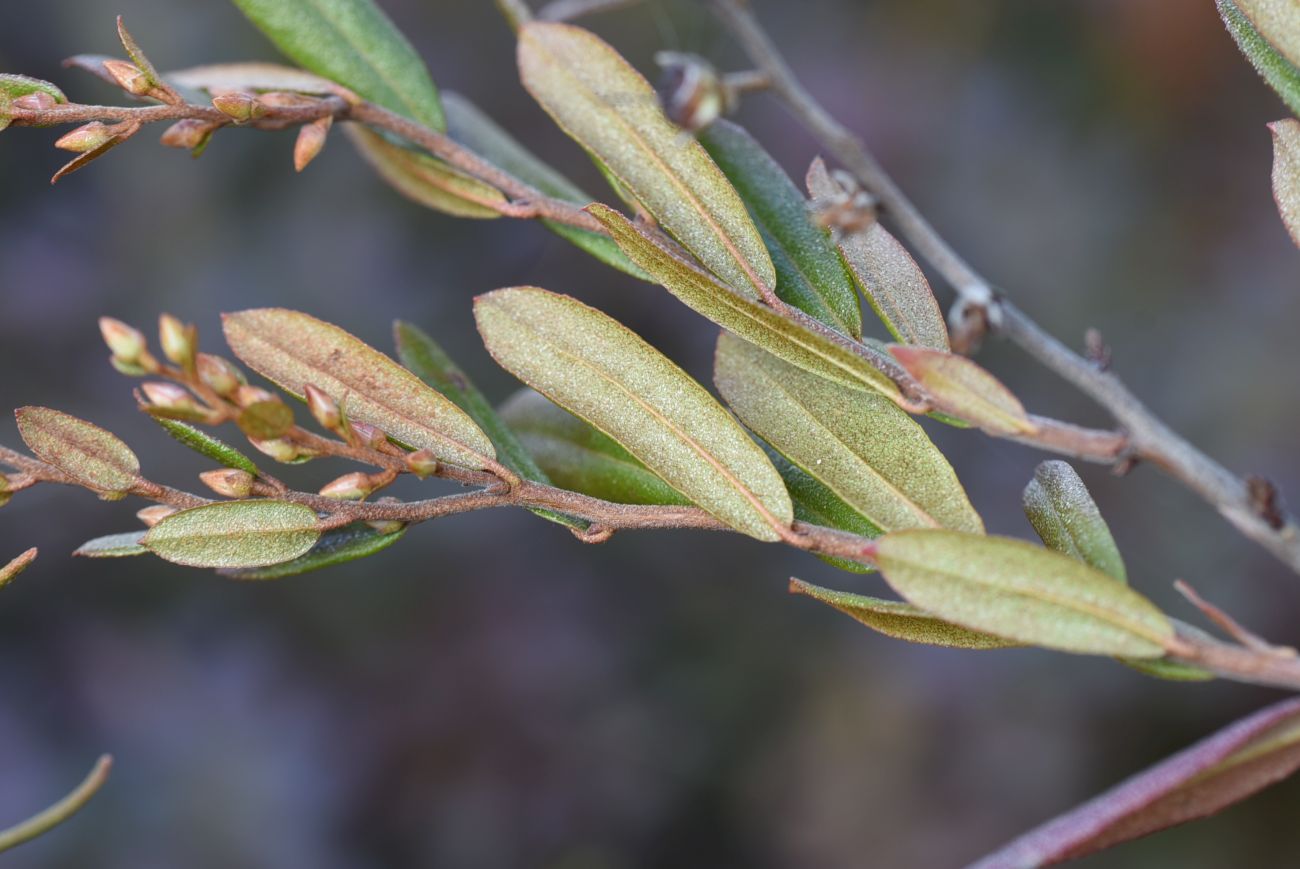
[1147, 436]
[60, 811]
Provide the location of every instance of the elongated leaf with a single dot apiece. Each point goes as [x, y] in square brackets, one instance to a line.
[235, 534]
[1021, 592]
[428, 361]
[355, 44]
[1281, 74]
[1286, 174]
[815, 502]
[1170, 671]
[252, 76]
[426, 180]
[16, 566]
[809, 273]
[860, 445]
[581, 458]
[293, 349]
[82, 450]
[594, 367]
[113, 546]
[899, 620]
[1278, 21]
[334, 547]
[887, 275]
[745, 317]
[1216, 772]
[612, 111]
[467, 124]
[206, 445]
[963, 389]
[1063, 513]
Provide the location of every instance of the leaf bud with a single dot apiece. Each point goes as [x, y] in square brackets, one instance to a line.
[151, 516]
[349, 487]
[129, 348]
[228, 482]
[190, 134]
[85, 138]
[129, 77]
[179, 341]
[218, 374]
[239, 106]
[422, 463]
[246, 395]
[323, 408]
[38, 101]
[311, 140]
[386, 526]
[366, 435]
[280, 449]
[170, 396]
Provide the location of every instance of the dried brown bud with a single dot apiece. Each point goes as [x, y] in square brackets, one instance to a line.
[691, 90]
[228, 482]
[39, 101]
[86, 138]
[151, 516]
[422, 463]
[179, 341]
[323, 408]
[280, 449]
[239, 106]
[129, 77]
[246, 395]
[190, 134]
[311, 140]
[349, 487]
[217, 374]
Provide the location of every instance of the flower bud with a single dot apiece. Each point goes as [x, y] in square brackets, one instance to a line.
[386, 526]
[323, 408]
[311, 140]
[170, 396]
[125, 342]
[129, 77]
[246, 395]
[349, 487]
[217, 374]
[179, 341]
[189, 134]
[39, 101]
[86, 138]
[228, 482]
[151, 516]
[366, 435]
[239, 106]
[280, 449]
[422, 463]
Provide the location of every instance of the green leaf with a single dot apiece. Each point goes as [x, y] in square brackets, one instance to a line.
[580, 458]
[809, 273]
[1217, 772]
[426, 180]
[1170, 671]
[355, 44]
[594, 367]
[1278, 21]
[252, 76]
[860, 445]
[113, 546]
[235, 534]
[84, 451]
[1281, 74]
[334, 547]
[963, 389]
[206, 445]
[745, 317]
[612, 111]
[816, 503]
[1021, 592]
[428, 361]
[888, 277]
[468, 125]
[293, 349]
[10, 570]
[1286, 173]
[1063, 513]
[902, 621]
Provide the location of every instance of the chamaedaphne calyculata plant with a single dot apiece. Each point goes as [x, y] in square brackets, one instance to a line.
[808, 438]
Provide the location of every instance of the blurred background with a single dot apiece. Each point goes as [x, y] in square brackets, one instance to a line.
[492, 693]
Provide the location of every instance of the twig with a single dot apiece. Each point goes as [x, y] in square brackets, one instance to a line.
[1147, 437]
[60, 811]
[570, 10]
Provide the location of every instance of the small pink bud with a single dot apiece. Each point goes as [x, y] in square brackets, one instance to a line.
[188, 134]
[179, 341]
[129, 77]
[239, 106]
[125, 342]
[217, 374]
[349, 487]
[422, 463]
[228, 482]
[151, 516]
[323, 408]
[311, 140]
[367, 435]
[86, 138]
[168, 395]
[39, 101]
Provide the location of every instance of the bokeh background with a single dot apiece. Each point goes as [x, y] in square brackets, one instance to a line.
[491, 693]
